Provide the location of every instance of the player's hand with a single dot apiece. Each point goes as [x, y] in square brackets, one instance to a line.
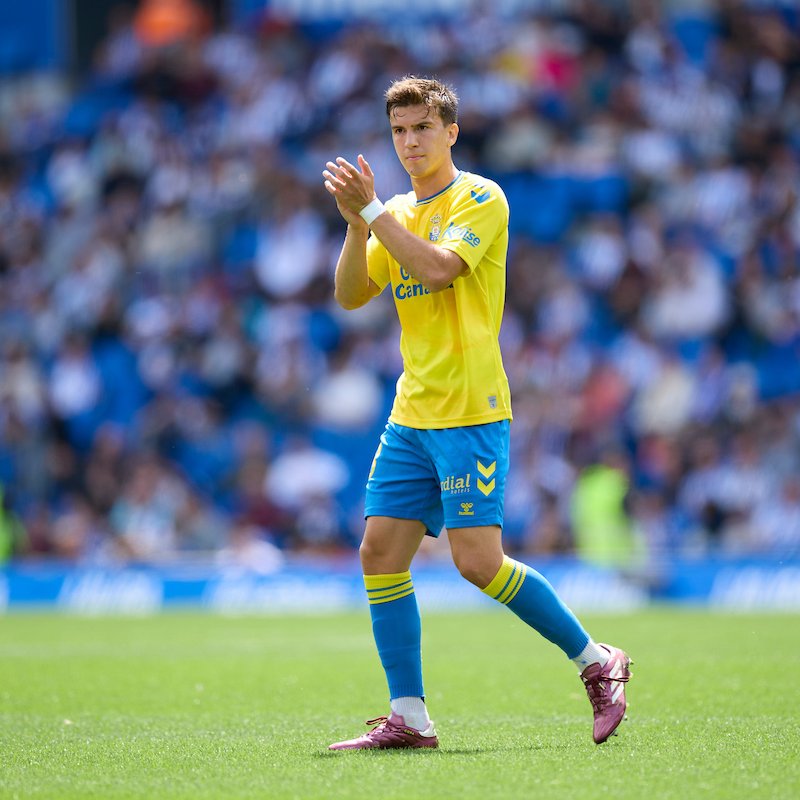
[353, 188]
[351, 217]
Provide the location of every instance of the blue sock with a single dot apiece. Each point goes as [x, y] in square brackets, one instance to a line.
[397, 629]
[534, 601]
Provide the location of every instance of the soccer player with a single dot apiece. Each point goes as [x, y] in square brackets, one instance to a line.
[443, 458]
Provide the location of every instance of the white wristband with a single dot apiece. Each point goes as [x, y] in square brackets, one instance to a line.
[372, 211]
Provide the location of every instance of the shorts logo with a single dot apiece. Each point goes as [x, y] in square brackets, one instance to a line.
[466, 510]
[487, 472]
[455, 485]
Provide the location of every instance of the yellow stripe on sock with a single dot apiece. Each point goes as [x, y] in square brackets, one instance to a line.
[386, 581]
[507, 582]
[373, 601]
[377, 594]
[500, 581]
[389, 589]
[385, 588]
[516, 582]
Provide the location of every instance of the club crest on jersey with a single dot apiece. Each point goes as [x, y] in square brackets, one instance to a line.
[436, 227]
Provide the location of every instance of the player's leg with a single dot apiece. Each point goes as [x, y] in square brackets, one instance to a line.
[386, 552]
[474, 460]
[402, 504]
[478, 554]
[473, 465]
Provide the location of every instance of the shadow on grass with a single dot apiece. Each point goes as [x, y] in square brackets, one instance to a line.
[428, 752]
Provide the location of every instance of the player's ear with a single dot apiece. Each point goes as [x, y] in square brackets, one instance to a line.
[452, 134]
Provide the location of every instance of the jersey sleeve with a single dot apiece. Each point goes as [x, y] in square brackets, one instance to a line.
[477, 217]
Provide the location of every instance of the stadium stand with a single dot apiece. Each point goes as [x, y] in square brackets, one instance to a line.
[175, 378]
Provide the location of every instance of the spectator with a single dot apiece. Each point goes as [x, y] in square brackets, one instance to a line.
[144, 519]
[165, 266]
[603, 533]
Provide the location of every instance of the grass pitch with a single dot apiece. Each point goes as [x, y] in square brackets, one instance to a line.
[202, 706]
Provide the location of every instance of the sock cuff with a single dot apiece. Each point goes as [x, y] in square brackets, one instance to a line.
[507, 582]
[392, 586]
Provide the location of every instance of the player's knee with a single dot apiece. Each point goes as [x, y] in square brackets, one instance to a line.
[475, 569]
[375, 556]
[367, 552]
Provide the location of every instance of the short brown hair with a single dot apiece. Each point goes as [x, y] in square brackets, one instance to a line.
[413, 91]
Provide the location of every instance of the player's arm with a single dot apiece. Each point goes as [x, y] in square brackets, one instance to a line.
[434, 267]
[353, 287]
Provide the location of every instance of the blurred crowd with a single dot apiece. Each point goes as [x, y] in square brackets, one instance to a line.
[176, 380]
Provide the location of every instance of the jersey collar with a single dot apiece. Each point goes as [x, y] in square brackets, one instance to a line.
[441, 191]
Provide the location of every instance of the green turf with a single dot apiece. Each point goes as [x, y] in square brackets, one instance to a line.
[202, 706]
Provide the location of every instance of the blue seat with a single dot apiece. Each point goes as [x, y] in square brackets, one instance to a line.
[695, 34]
[541, 205]
[607, 193]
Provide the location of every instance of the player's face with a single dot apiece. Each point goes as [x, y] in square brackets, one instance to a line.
[422, 141]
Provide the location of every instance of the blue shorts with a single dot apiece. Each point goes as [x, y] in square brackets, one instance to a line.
[453, 477]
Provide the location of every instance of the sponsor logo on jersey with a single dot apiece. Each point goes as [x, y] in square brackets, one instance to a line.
[409, 287]
[453, 231]
[404, 291]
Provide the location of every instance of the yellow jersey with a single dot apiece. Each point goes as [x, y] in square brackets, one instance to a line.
[452, 368]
